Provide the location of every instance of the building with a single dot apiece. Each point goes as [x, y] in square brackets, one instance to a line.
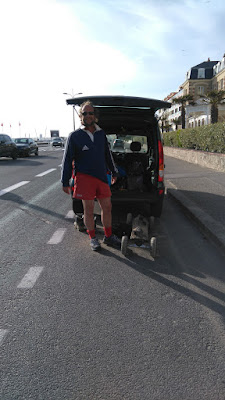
[200, 79]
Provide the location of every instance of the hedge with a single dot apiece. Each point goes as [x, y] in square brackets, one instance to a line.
[206, 138]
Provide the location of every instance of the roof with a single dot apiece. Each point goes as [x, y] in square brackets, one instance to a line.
[207, 66]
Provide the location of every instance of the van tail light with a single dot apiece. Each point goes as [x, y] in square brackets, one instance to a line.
[161, 166]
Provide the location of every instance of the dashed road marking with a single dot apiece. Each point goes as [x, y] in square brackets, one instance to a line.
[46, 172]
[57, 237]
[3, 332]
[30, 278]
[70, 214]
[13, 187]
[172, 184]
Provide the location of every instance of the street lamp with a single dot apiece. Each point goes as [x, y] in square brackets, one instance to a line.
[72, 95]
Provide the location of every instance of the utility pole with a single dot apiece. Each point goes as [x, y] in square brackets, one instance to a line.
[72, 95]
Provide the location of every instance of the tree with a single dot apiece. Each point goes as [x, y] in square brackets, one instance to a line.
[183, 100]
[214, 98]
[164, 121]
[177, 122]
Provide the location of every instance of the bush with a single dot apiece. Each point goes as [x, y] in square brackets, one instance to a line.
[206, 138]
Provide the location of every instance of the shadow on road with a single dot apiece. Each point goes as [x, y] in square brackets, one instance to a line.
[27, 207]
[186, 265]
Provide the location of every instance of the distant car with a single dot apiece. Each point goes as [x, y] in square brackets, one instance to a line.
[7, 147]
[57, 142]
[26, 147]
[118, 144]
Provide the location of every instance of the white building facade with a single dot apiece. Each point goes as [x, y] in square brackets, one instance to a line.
[203, 78]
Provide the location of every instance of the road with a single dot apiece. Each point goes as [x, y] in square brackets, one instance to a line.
[75, 324]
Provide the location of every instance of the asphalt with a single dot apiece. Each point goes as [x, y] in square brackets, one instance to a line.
[200, 191]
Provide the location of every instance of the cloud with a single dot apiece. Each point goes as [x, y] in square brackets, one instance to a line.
[141, 48]
[47, 53]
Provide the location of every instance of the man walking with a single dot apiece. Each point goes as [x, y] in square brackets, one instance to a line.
[88, 148]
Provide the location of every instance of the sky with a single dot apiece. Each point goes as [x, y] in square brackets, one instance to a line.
[123, 47]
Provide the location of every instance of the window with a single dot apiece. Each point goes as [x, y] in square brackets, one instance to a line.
[201, 90]
[121, 143]
[201, 73]
[2, 138]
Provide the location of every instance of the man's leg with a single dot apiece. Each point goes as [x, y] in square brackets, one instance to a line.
[106, 217]
[89, 214]
[106, 212]
[90, 223]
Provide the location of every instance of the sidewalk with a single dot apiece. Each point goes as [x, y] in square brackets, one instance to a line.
[201, 193]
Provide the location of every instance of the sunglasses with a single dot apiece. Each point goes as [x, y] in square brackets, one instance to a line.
[86, 113]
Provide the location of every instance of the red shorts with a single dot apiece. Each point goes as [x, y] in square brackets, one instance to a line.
[88, 187]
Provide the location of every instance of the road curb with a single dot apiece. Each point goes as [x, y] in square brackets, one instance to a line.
[211, 228]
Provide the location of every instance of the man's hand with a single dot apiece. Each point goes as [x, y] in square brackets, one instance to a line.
[66, 189]
[113, 180]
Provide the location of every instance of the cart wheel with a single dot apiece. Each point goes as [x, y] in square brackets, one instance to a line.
[153, 247]
[129, 219]
[124, 243]
[79, 227]
[76, 225]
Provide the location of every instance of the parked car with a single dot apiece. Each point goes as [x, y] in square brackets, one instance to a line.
[7, 147]
[58, 141]
[118, 144]
[26, 147]
[141, 161]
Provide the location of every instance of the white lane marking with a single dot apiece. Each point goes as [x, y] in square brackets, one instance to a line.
[3, 332]
[5, 220]
[30, 278]
[70, 214]
[46, 172]
[172, 184]
[13, 187]
[57, 237]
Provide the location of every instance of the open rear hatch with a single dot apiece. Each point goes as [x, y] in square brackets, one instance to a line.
[127, 111]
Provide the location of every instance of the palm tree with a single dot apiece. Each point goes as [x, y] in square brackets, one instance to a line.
[183, 100]
[177, 122]
[164, 121]
[214, 98]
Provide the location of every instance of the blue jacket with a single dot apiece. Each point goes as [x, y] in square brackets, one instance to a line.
[90, 157]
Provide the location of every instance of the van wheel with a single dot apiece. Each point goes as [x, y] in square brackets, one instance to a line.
[153, 247]
[124, 244]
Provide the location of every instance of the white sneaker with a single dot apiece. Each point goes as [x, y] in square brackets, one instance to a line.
[95, 245]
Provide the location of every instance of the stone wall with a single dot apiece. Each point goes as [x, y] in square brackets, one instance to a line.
[205, 159]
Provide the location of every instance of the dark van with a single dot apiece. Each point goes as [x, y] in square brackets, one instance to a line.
[131, 122]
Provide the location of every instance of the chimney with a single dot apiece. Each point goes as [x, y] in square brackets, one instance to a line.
[208, 59]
